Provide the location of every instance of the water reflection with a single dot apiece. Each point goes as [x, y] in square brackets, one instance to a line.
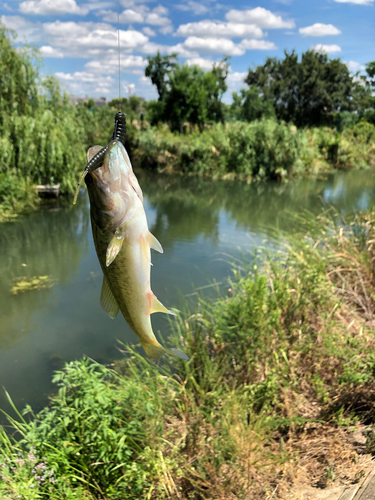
[193, 218]
[51, 242]
[191, 206]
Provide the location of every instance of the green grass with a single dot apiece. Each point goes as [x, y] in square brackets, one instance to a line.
[259, 150]
[280, 364]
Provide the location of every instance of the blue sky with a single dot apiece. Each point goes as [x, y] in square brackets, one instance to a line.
[78, 38]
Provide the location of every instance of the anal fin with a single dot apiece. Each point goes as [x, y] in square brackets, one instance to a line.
[156, 306]
[154, 243]
[114, 247]
[108, 301]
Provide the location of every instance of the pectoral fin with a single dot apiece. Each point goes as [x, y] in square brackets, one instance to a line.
[154, 243]
[114, 247]
[108, 301]
[156, 306]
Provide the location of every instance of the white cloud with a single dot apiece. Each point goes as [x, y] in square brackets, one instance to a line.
[358, 2]
[145, 88]
[326, 49]
[156, 19]
[259, 16]
[148, 31]
[48, 51]
[129, 64]
[48, 7]
[14, 22]
[127, 16]
[88, 39]
[236, 77]
[196, 8]
[212, 46]
[166, 29]
[152, 48]
[31, 31]
[208, 28]
[199, 61]
[235, 81]
[319, 29]
[83, 82]
[354, 66]
[59, 28]
[134, 5]
[160, 10]
[256, 45]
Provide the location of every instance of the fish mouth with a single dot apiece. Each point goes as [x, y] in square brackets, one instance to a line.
[89, 179]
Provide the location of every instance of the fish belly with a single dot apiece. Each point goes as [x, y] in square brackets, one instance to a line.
[129, 281]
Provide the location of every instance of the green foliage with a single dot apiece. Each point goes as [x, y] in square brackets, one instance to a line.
[159, 69]
[305, 92]
[259, 150]
[41, 138]
[250, 105]
[97, 426]
[186, 99]
[186, 93]
[133, 107]
[19, 73]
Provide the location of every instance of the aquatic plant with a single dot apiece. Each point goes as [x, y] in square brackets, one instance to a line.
[25, 284]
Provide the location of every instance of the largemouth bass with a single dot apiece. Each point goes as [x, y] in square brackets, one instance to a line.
[123, 242]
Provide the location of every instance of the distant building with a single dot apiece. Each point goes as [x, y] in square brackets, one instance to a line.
[100, 101]
[78, 100]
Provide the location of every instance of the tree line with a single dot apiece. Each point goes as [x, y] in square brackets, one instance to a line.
[310, 90]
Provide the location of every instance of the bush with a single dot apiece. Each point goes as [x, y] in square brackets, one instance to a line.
[97, 424]
[258, 150]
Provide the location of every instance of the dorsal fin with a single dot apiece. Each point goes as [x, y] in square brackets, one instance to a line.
[107, 300]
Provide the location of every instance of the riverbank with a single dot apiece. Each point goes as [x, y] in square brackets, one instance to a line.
[279, 385]
[256, 151]
[253, 152]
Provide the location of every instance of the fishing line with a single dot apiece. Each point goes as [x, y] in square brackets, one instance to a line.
[119, 58]
[119, 132]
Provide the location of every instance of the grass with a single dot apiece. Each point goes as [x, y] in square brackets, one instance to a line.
[281, 375]
[259, 150]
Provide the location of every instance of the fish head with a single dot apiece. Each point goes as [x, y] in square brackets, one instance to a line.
[113, 188]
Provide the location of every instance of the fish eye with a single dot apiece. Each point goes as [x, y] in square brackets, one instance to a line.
[88, 179]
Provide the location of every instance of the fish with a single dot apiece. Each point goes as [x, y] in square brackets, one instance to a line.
[123, 245]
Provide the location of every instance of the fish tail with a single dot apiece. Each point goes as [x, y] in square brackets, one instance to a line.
[155, 351]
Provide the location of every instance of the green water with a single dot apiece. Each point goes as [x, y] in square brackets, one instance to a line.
[199, 223]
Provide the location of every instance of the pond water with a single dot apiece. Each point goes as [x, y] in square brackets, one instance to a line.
[196, 221]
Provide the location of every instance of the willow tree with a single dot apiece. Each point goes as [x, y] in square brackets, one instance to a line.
[40, 132]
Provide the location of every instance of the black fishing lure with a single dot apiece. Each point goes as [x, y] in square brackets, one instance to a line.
[96, 161]
[119, 134]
